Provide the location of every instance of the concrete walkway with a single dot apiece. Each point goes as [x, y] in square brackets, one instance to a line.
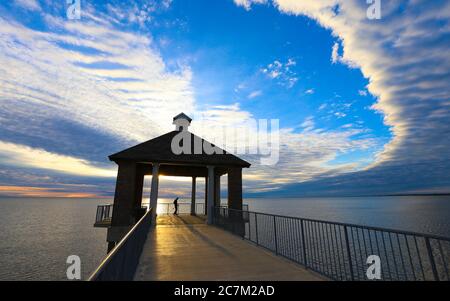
[184, 248]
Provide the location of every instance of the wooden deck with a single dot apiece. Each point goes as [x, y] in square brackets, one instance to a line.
[185, 248]
[183, 219]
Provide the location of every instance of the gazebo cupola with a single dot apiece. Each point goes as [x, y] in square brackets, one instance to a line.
[156, 157]
[182, 122]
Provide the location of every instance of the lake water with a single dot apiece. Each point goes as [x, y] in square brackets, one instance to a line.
[37, 235]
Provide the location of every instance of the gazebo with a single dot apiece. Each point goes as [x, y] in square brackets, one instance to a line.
[157, 157]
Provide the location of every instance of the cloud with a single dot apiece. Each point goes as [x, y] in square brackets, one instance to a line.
[137, 12]
[362, 92]
[32, 5]
[306, 155]
[308, 124]
[254, 94]
[337, 58]
[96, 98]
[29, 191]
[281, 72]
[323, 106]
[407, 72]
[303, 155]
[49, 85]
[24, 156]
[248, 3]
[334, 53]
[72, 96]
[110, 88]
[310, 91]
[384, 58]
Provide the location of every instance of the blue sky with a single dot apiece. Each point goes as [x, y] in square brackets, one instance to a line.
[363, 104]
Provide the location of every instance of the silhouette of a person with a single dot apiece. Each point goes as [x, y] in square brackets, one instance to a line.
[175, 204]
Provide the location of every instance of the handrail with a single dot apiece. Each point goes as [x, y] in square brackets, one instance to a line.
[434, 236]
[185, 208]
[117, 265]
[340, 250]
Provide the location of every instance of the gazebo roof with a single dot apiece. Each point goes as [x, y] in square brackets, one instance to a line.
[159, 150]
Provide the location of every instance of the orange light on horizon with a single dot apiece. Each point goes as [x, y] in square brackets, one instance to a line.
[30, 191]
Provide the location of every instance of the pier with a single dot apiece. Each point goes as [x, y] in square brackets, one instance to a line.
[185, 248]
[271, 247]
[228, 241]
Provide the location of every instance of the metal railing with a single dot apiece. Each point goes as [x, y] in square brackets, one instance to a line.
[185, 208]
[244, 207]
[104, 212]
[122, 261]
[340, 251]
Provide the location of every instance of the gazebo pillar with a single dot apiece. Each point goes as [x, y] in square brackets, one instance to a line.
[193, 196]
[206, 195]
[210, 199]
[154, 191]
[217, 190]
[235, 200]
[140, 174]
[127, 196]
[235, 188]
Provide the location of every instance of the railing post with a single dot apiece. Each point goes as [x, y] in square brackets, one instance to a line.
[233, 219]
[275, 234]
[249, 228]
[256, 228]
[347, 245]
[304, 245]
[431, 257]
[97, 214]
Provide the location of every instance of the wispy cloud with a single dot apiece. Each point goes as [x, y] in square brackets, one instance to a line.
[71, 94]
[106, 82]
[32, 5]
[248, 3]
[67, 92]
[362, 92]
[95, 98]
[334, 53]
[304, 154]
[24, 156]
[407, 72]
[282, 72]
[254, 94]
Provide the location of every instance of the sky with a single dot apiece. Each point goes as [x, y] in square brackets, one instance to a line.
[363, 104]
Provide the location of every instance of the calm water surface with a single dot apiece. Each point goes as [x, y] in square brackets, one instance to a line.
[37, 235]
[426, 214]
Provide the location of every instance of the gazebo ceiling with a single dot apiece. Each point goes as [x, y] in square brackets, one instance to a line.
[182, 170]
